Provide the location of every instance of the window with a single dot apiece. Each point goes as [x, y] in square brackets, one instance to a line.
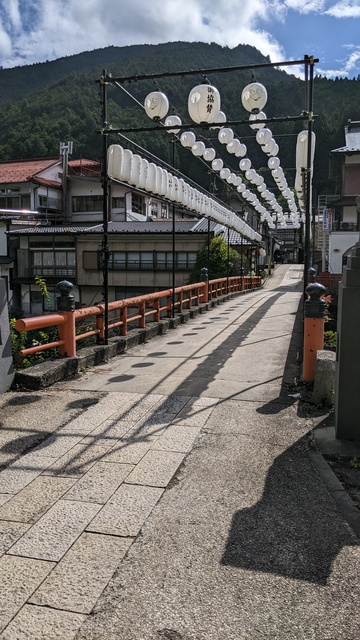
[14, 201]
[87, 203]
[138, 203]
[40, 305]
[151, 260]
[53, 263]
[118, 202]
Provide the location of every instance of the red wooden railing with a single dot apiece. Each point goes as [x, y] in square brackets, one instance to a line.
[122, 313]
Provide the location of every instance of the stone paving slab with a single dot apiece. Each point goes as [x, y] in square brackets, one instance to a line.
[4, 497]
[126, 511]
[108, 432]
[99, 483]
[10, 532]
[35, 499]
[80, 577]
[40, 623]
[20, 473]
[156, 468]
[19, 579]
[196, 412]
[77, 461]
[129, 451]
[51, 536]
[177, 438]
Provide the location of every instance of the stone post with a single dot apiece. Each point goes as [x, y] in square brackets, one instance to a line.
[6, 368]
[347, 368]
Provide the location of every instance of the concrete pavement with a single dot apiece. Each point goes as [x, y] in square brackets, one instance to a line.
[173, 493]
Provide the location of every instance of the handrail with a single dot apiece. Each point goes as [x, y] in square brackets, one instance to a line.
[139, 309]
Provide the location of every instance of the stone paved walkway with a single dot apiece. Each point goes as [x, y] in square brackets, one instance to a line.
[73, 506]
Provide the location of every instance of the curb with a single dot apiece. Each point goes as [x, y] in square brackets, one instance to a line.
[344, 503]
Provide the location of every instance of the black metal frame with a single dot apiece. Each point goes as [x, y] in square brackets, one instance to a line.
[307, 116]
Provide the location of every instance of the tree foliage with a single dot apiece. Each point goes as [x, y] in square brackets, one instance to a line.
[220, 261]
[45, 103]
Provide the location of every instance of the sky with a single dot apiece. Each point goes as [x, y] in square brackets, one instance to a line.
[38, 30]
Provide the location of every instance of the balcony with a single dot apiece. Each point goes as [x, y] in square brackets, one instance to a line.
[344, 226]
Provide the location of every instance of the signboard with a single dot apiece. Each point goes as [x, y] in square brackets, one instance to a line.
[327, 218]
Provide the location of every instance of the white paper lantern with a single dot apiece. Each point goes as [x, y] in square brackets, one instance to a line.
[125, 167]
[257, 116]
[144, 167]
[171, 121]
[245, 164]
[198, 148]
[217, 164]
[209, 154]
[114, 161]
[204, 103]
[225, 135]
[302, 149]
[135, 170]
[254, 97]
[224, 173]
[263, 136]
[241, 188]
[250, 174]
[270, 146]
[273, 163]
[274, 150]
[220, 120]
[188, 138]
[150, 184]
[156, 105]
[242, 150]
[233, 146]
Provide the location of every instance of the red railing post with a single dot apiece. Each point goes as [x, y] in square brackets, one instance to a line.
[123, 318]
[100, 328]
[67, 334]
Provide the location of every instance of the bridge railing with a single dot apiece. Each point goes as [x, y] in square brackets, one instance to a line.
[134, 311]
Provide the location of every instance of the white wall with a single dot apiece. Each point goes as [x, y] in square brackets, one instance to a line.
[339, 242]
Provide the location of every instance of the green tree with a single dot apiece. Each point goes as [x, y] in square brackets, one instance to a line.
[217, 255]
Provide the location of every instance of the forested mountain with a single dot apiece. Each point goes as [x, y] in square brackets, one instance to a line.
[45, 103]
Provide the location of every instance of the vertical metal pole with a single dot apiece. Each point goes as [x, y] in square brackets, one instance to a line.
[228, 260]
[173, 241]
[208, 247]
[105, 185]
[307, 248]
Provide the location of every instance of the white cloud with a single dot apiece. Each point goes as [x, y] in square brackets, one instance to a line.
[345, 9]
[306, 6]
[12, 10]
[65, 27]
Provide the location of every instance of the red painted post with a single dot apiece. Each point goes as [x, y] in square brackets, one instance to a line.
[314, 319]
[66, 333]
[66, 305]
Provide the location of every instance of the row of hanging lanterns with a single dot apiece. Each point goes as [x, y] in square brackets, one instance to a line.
[125, 166]
[204, 106]
[254, 99]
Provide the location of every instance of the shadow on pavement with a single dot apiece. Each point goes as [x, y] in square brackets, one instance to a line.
[293, 531]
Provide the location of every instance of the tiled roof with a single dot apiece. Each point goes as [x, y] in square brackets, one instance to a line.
[235, 237]
[23, 170]
[181, 226]
[352, 139]
[84, 167]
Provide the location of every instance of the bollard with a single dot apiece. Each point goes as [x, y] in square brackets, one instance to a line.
[314, 320]
[66, 305]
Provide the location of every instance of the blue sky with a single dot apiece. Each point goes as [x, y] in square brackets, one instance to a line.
[37, 30]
